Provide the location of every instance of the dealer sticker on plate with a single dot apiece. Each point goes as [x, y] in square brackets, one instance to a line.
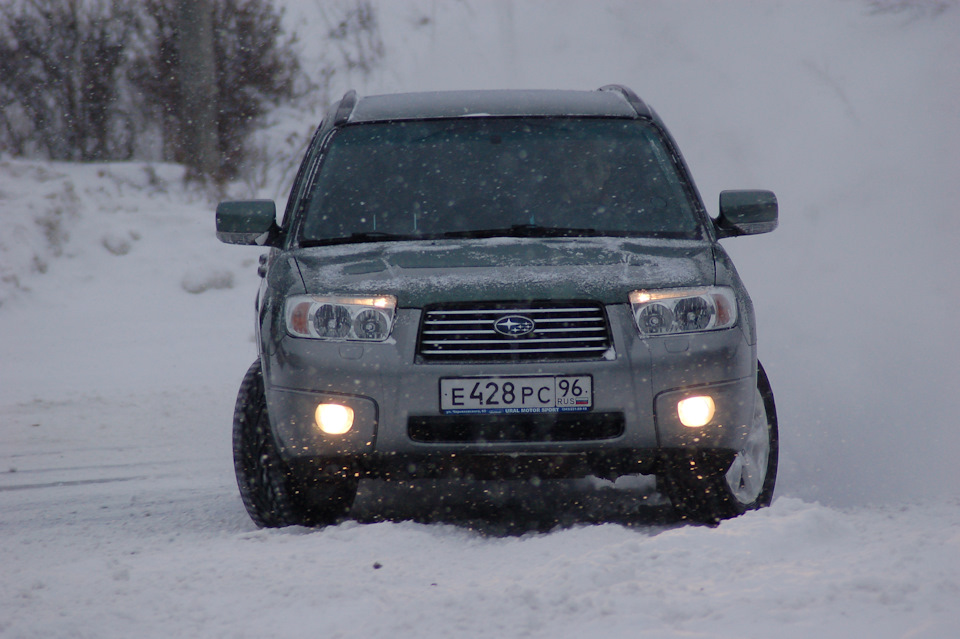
[541, 394]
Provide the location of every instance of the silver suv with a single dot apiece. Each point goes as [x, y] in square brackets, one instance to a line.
[500, 284]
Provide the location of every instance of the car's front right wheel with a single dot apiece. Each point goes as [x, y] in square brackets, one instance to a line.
[272, 492]
[701, 490]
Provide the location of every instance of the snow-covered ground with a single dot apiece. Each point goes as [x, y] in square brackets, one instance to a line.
[125, 328]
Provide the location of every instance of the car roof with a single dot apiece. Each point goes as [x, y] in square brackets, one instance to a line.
[611, 101]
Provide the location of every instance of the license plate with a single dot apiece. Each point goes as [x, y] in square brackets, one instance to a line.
[540, 394]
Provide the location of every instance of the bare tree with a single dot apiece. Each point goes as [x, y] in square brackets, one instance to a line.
[352, 27]
[255, 66]
[198, 89]
[257, 69]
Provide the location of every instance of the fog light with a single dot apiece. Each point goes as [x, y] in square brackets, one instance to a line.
[334, 419]
[696, 411]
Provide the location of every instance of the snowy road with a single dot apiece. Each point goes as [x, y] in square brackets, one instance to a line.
[143, 536]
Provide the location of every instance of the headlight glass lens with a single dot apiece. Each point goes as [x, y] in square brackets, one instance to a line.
[683, 310]
[332, 320]
[367, 319]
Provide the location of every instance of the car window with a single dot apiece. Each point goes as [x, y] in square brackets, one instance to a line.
[437, 177]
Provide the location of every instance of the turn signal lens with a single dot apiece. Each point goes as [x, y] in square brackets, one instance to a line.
[334, 419]
[696, 411]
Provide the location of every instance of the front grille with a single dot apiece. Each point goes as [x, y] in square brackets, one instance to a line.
[537, 427]
[560, 331]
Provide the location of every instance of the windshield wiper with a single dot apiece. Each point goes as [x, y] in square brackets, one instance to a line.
[526, 230]
[357, 238]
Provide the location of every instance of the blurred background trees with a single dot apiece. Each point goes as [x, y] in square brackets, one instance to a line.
[60, 62]
[186, 81]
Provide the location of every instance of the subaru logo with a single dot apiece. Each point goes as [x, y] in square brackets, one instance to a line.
[514, 325]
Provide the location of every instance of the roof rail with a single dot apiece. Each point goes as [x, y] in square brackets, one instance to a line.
[347, 104]
[638, 105]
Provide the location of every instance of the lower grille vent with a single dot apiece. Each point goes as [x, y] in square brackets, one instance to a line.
[538, 427]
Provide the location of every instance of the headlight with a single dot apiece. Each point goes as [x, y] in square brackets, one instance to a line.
[683, 310]
[340, 318]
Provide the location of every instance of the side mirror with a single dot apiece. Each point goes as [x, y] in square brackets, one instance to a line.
[746, 213]
[252, 222]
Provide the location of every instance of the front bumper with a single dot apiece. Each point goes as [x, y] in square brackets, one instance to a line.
[391, 395]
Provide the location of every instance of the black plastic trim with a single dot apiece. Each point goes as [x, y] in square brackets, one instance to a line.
[347, 104]
[638, 105]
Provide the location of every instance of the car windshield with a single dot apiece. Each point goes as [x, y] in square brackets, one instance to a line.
[484, 177]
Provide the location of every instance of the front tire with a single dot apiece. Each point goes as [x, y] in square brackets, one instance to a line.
[272, 493]
[707, 490]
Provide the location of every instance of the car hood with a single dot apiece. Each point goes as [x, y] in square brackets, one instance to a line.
[425, 272]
